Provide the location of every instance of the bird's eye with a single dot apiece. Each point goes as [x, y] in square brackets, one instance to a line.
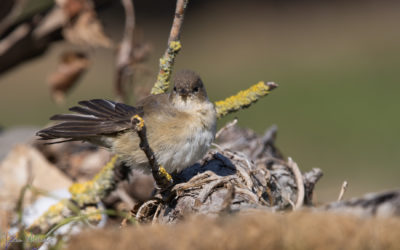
[196, 89]
[175, 89]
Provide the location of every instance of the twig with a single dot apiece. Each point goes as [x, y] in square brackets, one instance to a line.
[156, 213]
[299, 183]
[270, 135]
[43, 26]
[20, 204]
[244, 98]
[125, 52]
[228, 125]
[286, 197]
[230, 195]
[161, 176]
[310, 179]
[8, 20]
[23, 43]
[342, 191]
[174, 45]
[124, 222]
[12, 38]
[207, 189]
[144, 208]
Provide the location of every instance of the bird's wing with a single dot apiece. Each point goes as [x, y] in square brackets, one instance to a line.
[91, 119]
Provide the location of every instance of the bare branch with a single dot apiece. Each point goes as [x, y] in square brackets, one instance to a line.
[12, 15]
[161, 176]
[228, 125]
[125, 52]
[33, 36]
[310, 179]
[342, 191]
[15, 36]
[299, 183]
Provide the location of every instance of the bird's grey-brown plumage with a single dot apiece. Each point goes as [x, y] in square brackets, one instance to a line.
[95, 118]
[180, 125]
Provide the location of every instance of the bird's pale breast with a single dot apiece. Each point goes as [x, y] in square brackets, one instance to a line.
[178, 139]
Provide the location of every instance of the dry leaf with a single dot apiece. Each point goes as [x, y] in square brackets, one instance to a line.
[73, 7]
[87, 30]
[71, 67]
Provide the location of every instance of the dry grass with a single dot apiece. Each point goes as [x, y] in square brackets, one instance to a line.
[258, 230]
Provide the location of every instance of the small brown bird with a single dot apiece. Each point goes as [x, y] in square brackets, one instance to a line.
[180, 125]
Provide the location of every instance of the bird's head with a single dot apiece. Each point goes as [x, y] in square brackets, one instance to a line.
[188, 90]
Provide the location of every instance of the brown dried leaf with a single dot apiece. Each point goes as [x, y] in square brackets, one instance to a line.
[73, 7]
[87, 30]
[70, 68]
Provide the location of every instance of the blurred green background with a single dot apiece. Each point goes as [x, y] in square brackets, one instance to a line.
[336, 63]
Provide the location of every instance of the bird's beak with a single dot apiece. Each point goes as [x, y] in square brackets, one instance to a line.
[184, 94]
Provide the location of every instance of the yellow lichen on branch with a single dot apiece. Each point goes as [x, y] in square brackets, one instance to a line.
[174, 45]
[161, 176]
[52, 216]
[92, 191]
[243, 99]
[82, 194]
[166, 64]
[138, 122]
[164, 173]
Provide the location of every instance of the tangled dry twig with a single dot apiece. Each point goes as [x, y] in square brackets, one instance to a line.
[229, 181]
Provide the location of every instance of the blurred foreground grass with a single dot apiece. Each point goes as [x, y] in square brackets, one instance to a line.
[336, 65]
[254, 230]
